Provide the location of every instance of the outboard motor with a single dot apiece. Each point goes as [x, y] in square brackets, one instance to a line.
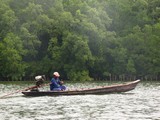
[40, 79]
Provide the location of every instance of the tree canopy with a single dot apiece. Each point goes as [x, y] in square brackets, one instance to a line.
[81, 39]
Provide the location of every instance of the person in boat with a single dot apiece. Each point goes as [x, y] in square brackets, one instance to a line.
[56, 84]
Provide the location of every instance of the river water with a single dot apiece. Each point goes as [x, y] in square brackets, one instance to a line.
[142, 103]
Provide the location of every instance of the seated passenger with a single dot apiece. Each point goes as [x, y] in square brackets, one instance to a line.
[56, 84]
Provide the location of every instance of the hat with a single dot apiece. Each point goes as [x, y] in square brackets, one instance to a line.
[56, 74]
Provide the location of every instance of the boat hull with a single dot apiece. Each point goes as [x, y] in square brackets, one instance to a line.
[100, 90]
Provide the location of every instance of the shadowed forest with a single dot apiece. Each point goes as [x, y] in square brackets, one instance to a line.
[81, 39]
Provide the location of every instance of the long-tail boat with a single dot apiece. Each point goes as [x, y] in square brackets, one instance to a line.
[117, 88]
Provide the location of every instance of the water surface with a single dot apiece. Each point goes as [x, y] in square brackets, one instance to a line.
[142, 103]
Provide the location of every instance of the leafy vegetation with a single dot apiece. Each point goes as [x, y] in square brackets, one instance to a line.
[81, 39]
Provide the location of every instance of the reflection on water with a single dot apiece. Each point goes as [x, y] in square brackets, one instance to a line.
[143, 103]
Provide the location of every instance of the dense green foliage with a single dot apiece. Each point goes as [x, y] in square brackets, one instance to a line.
[81, 39]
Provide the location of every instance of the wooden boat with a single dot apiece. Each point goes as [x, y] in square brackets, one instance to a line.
[98, 90]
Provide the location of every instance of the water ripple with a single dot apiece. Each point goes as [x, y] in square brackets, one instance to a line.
[143, 103]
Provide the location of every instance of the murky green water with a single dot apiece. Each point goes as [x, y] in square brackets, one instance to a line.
[143, 103]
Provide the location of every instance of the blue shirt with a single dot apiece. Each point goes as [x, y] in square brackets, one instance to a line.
[55, 83]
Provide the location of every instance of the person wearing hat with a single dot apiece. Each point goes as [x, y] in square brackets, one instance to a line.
[56, 84]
